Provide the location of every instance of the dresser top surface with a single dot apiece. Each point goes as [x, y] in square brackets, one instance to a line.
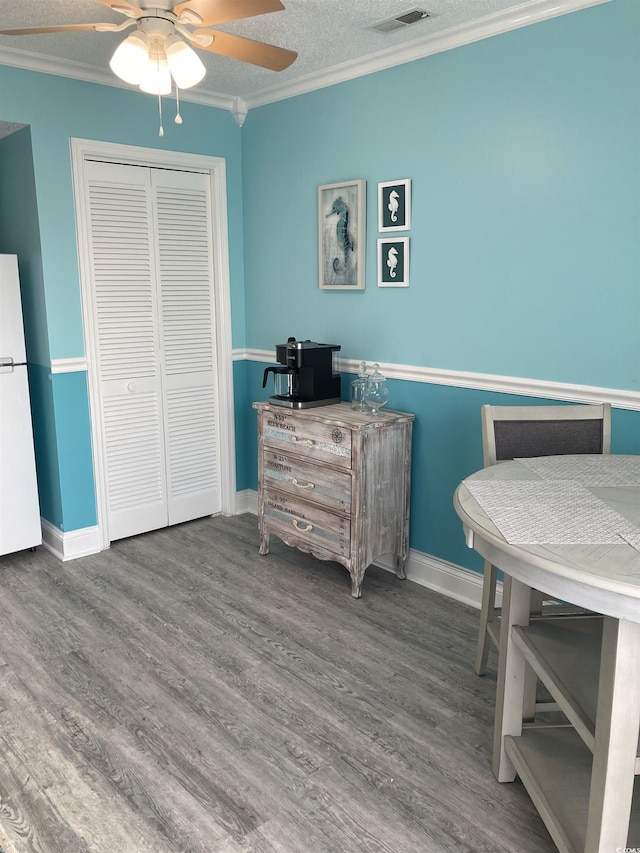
[340, 414]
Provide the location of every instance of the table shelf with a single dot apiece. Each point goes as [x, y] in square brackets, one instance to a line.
[565, 655]
[555, 767]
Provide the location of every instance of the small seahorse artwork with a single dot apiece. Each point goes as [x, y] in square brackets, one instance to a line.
[343, 234]
[393, 205]
[392, 261]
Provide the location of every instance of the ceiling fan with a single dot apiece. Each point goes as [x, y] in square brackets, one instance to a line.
[155, 54]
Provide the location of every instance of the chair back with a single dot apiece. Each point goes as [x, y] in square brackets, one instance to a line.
[511, 432]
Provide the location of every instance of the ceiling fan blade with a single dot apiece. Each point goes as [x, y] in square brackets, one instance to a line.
[220, 11]
[247, 50]
[123, 7]
[63, 28]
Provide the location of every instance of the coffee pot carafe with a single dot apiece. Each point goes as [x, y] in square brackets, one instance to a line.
[284, 381]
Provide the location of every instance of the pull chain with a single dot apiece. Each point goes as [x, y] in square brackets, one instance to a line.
[161, 131]
[178, 118]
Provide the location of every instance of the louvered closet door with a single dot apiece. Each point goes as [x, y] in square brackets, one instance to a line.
[158, 411]
[185, 277]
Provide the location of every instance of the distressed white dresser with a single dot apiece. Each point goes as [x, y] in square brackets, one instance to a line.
[335, 483]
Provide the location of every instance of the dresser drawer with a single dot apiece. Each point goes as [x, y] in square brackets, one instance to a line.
[320, 485]
[297, 520]
[322, 442]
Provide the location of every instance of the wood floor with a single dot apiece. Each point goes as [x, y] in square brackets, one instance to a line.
[181, 694]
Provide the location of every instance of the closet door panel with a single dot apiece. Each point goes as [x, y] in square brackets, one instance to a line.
[128, 347]
[185, 279]
[193, 463]
[136, 487]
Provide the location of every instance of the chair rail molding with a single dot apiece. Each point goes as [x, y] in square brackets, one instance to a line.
[565, 391]
[69, 365]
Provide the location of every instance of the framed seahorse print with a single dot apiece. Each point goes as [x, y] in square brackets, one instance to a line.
[393, 262]
[394, 205]
[342, 235]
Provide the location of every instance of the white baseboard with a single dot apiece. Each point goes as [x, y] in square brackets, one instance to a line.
[439, 575]
[70, 546]
[247, 501]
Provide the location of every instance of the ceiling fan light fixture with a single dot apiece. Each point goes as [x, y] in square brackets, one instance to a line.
[131, 58]
[185, 65]
[157, 77]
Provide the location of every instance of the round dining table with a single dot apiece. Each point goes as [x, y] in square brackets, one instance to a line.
[568, 527]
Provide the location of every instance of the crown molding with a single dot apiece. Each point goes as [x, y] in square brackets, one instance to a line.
[526, 13]
[90, 74]
[564, 391]
[529, 12]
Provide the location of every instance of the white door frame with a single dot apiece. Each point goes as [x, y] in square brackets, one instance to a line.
[215, 167]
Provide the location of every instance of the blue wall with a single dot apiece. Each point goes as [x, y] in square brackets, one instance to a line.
[447, 447]
[20, 235]
[56, 109]
[525, 252]
[523, 155]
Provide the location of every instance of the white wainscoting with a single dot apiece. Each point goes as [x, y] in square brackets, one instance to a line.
[482, 381]
[546, 390]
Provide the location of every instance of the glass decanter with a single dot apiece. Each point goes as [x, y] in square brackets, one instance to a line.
[376, 393]
[358, 389]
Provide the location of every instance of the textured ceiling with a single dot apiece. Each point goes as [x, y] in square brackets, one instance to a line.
[326, 33]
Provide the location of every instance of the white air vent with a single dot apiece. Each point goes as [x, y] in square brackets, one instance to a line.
[401, 21]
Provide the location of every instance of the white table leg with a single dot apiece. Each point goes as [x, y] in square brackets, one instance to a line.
[510, 693]
[616, 740]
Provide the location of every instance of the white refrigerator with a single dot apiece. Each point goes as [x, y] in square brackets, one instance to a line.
[19, 507]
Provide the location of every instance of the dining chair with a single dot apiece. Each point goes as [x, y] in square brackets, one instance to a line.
[511, 432]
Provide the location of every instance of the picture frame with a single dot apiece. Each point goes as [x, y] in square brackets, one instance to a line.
[394, 205]
[393, 262]
[342, 235]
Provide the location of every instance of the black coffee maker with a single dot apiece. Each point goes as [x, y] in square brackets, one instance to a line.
[306, 378]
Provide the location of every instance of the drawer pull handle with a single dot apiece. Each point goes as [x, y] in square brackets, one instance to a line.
[308, 442]
[302, 529]
[303, 484]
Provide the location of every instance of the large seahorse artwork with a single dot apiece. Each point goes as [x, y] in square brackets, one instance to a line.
[343, 234]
